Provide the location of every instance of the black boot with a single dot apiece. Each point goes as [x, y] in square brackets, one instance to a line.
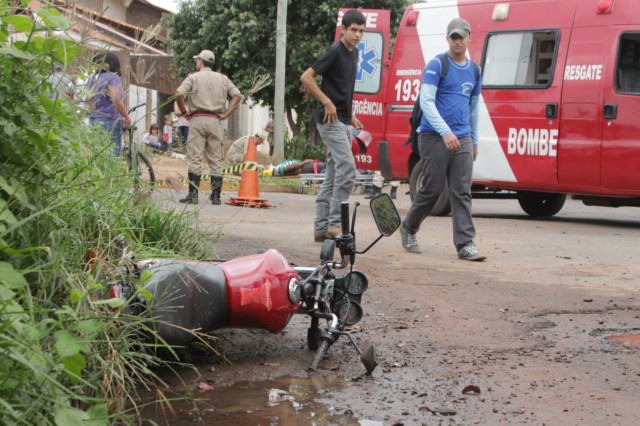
[374, 191]
[394, 189]
[216, 188]
[194, 183]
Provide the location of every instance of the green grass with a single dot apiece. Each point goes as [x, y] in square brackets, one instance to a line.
[284, 181]
[67, 355]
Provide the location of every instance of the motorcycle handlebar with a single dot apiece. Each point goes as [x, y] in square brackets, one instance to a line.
[344, 217]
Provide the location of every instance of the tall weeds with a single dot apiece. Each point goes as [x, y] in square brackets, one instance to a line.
[66, 356]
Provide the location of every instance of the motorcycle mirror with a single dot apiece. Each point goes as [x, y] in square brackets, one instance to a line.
[385, 214]
[368, 358]
[327, 251]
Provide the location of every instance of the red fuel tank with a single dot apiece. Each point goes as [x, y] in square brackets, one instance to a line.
[258, 291]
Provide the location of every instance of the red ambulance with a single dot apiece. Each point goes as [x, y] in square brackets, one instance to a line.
[560, 94]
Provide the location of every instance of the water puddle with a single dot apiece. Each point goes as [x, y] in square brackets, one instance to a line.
[283, 401]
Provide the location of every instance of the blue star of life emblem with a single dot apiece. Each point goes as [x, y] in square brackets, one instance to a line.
[366, 63]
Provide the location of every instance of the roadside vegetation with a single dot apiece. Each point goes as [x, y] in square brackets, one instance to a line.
[66, 357]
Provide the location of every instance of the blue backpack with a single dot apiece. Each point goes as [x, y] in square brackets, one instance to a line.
[416, 114]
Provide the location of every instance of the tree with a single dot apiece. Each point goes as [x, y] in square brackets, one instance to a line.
[242, 34]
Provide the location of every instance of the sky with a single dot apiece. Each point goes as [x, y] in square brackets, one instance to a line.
[171, 5]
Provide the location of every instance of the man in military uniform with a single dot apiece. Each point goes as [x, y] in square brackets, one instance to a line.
[208, 93]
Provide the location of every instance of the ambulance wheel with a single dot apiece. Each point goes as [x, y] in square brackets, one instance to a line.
[541, 204]
[442, 207]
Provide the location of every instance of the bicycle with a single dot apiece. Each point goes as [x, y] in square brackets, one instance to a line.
[136, 161]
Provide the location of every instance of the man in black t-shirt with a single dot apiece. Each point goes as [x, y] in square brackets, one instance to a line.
[338, 66]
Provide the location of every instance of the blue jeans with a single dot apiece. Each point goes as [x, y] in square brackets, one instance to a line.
[115, 128]
[340, 175]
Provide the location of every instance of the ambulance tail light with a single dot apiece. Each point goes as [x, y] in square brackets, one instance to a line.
[412, 18]
[605, 6]
[500, 12]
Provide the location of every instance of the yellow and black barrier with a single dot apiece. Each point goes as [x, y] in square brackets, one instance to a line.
[238, 168]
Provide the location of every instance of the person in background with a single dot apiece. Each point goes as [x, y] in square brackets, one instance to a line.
[182, 123]
[61, 85]
[375, 189]
[238, 150]
[152, 137]
[167, 134]
[107, 98]
[208, 93]
[447, 141]
[269, 129]
[338, 66]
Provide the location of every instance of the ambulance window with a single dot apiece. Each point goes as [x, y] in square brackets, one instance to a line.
[628, 70]
[369, 74]
[519, 59]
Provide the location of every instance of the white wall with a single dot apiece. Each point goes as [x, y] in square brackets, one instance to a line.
[253, 117]
[138, 95]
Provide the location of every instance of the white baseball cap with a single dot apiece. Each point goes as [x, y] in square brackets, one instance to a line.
[206, 55]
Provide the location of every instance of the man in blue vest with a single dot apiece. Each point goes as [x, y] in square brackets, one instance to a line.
[448, 142]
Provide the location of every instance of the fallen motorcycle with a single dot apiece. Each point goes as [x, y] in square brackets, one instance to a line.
[260, 291]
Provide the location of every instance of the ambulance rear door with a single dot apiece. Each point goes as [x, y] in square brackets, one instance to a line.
[581, 111]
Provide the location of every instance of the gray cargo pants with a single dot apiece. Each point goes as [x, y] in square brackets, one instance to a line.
[438, 164]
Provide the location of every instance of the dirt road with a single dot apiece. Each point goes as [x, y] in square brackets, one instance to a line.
[521, 338]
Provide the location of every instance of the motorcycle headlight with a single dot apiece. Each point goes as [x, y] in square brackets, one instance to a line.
[294, 291]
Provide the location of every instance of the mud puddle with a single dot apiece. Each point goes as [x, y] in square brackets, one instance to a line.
[286, 400]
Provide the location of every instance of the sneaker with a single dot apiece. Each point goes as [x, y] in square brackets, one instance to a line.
[470, 252]
[409, 241]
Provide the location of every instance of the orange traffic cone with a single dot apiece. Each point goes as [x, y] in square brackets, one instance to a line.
[248, 195]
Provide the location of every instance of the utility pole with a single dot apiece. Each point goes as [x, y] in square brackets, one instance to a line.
[278, 102]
